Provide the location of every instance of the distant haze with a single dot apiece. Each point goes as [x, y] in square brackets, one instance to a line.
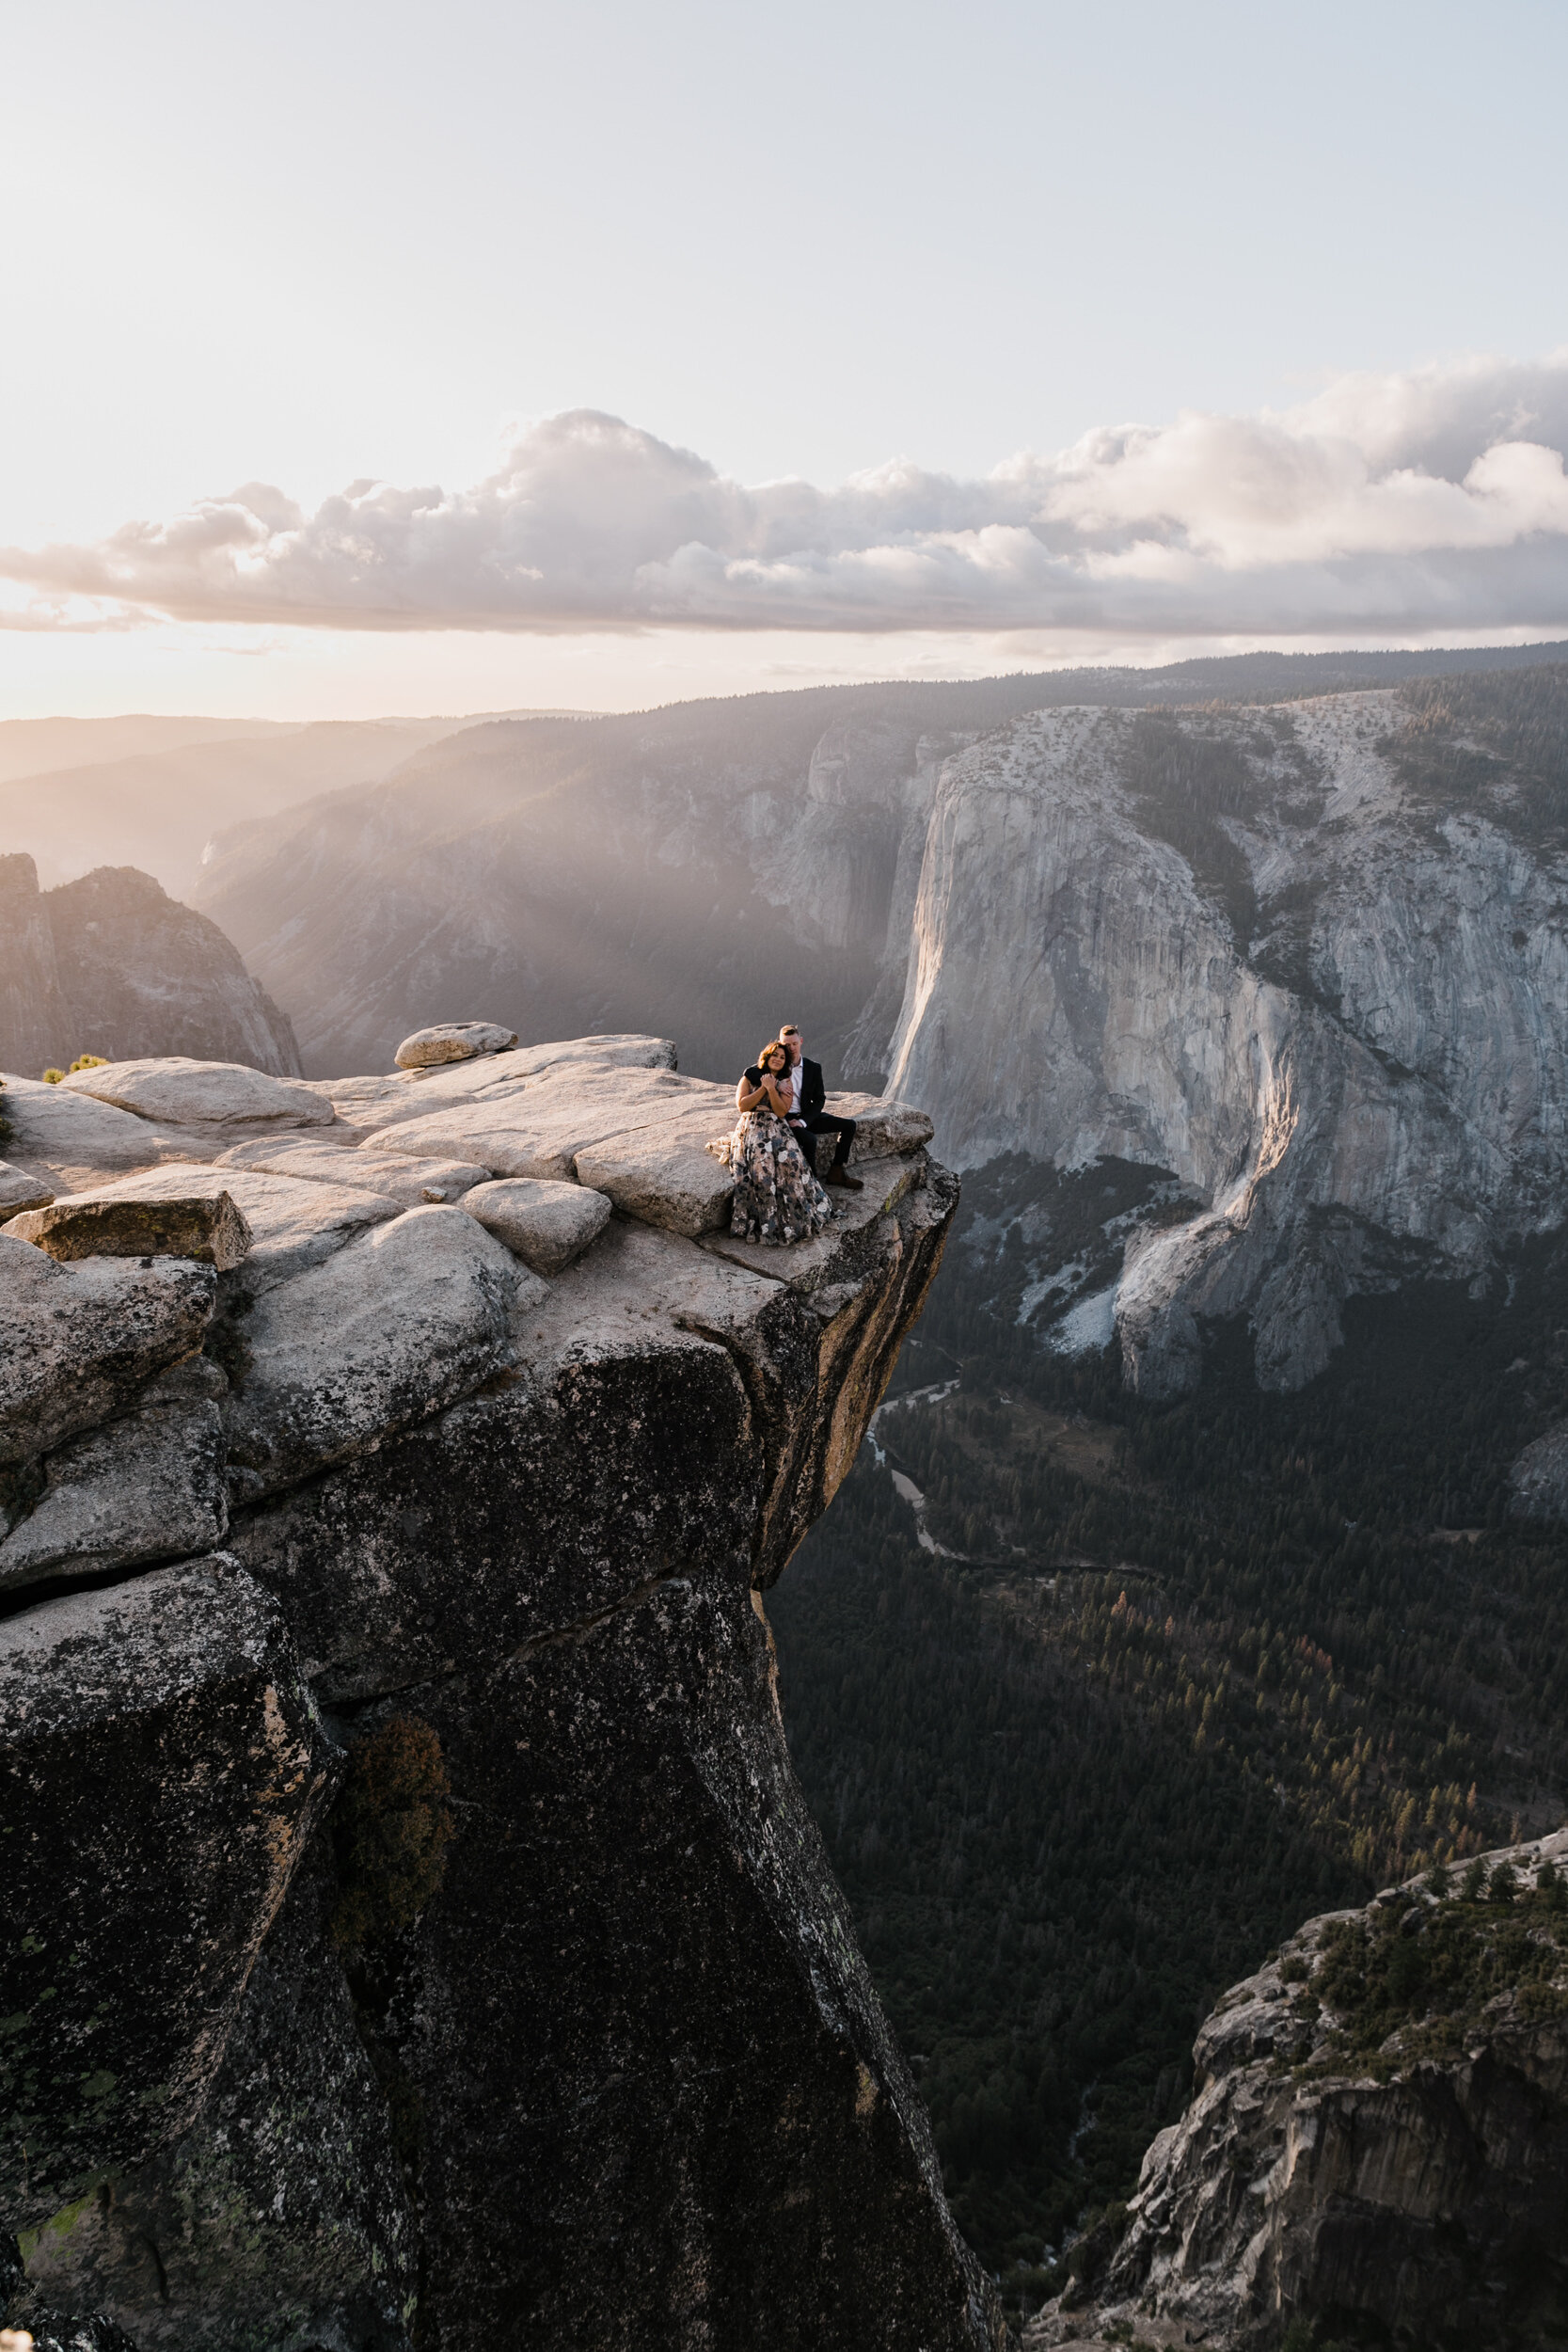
[150, 792]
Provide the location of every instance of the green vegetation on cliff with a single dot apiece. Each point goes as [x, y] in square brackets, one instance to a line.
[1426, 1972]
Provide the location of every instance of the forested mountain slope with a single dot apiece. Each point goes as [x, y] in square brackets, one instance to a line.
[1147, 1683]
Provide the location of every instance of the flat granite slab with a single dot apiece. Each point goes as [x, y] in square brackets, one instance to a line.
[61, 1134]
[405, 1180]
[808, 1266]
[346, 1313]
[386, 1099]
[537, 1126]
[294, 1222]
[216, 1094]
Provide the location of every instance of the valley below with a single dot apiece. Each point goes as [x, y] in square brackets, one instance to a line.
[1180, 1675]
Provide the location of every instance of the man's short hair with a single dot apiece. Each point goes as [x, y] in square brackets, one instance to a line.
[789, 1028]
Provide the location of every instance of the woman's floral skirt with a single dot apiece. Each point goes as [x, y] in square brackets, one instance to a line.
[777, 1199]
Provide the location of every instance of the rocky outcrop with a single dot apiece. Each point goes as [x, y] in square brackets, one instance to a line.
[201, 1093]
[545, 1225]
[426, 1939]
[81, 1341]
[140, 1487]
[1537, 1480]
[206, 1227]
[1379, 2139]
[178, 1692]
[110, 965]
[452, 1040]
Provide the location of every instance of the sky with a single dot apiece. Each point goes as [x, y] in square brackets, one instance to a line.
[459, 358]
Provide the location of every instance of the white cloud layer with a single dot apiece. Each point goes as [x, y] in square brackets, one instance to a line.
[1429, 502]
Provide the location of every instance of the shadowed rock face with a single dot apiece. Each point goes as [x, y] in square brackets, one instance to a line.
[34, 1014]
[1404, 2187]
[555, 2031]
[164, 1768]
[111, 965]
[1538, 1481]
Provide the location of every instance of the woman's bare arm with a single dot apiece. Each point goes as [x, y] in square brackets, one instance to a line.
[765, 1097]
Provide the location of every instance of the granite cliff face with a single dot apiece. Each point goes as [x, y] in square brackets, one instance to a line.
[1378, 2142]
[733, 861]
[419, 1937]
[1244, 947]
[109, 964]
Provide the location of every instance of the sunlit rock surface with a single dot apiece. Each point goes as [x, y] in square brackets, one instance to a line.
[424, 1941]
[1337, 1014]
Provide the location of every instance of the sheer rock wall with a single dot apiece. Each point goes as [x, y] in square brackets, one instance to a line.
[1238, 945]
[424, 1940]
[1336, 1013]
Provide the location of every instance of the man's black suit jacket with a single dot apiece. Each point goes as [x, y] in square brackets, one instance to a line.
[814, 1094]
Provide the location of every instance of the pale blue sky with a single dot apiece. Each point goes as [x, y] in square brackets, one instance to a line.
[307, 243]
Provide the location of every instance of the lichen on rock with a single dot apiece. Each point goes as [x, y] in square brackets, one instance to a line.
[208, 1228]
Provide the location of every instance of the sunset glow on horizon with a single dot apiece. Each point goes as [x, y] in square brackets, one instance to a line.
[574, 359]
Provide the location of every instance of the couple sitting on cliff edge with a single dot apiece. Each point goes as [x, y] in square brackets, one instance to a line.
[772, 1151]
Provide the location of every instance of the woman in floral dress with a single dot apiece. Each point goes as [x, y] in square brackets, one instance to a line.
[777, 1199]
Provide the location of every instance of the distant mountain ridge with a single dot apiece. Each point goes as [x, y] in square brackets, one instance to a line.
[151, 792]
[40, 747]
[157, 808]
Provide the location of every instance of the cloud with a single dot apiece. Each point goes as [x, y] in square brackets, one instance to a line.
[1419, 502]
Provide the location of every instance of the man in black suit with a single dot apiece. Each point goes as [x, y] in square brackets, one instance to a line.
[809, 1118]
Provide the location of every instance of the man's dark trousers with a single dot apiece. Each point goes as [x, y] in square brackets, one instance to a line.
[816, 1121]
[823, 1123]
